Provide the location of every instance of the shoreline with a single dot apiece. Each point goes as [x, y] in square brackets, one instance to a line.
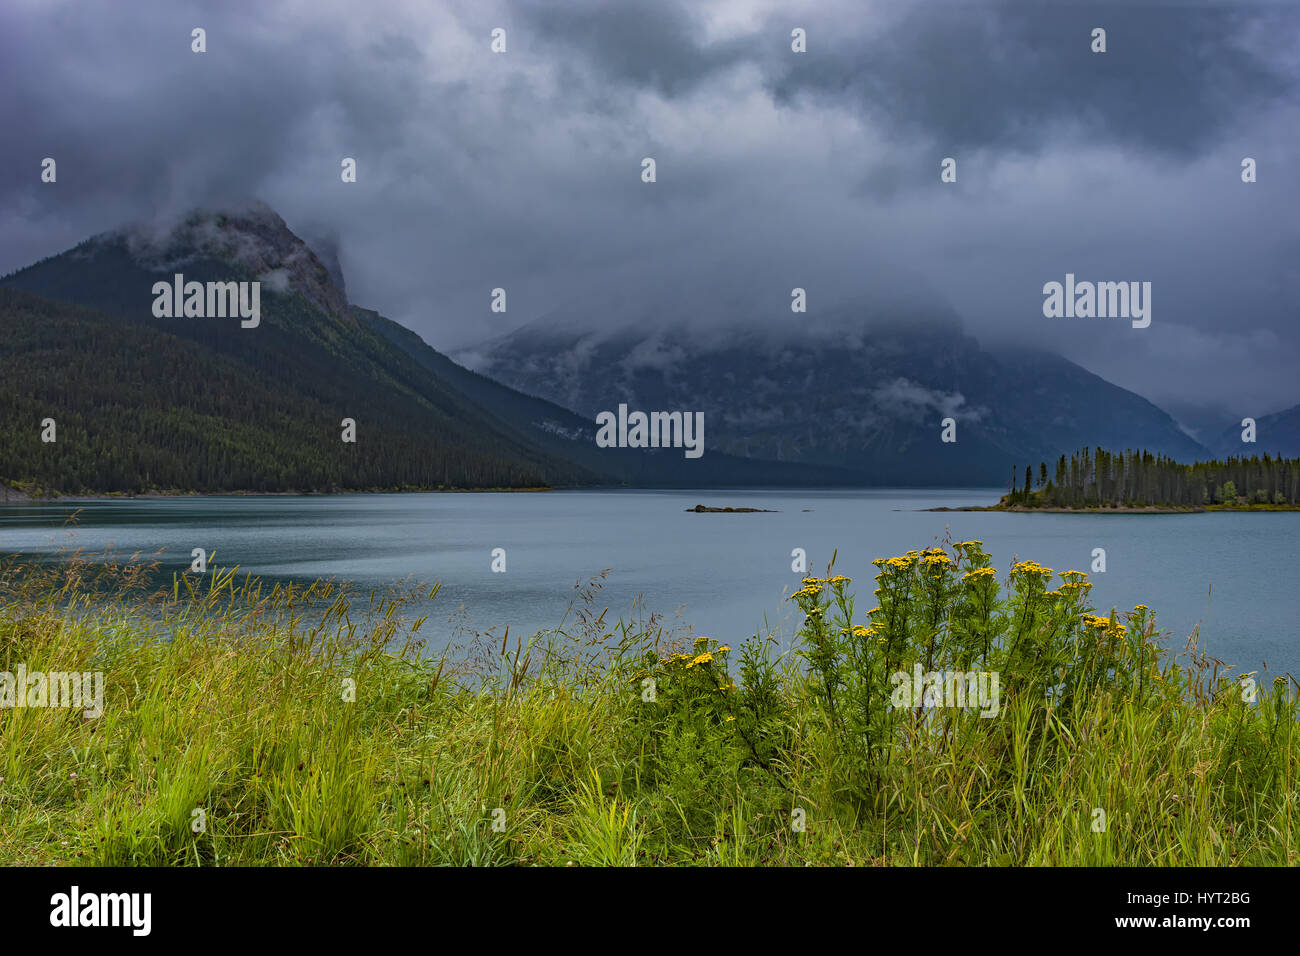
[1141, 510]
[14, 496]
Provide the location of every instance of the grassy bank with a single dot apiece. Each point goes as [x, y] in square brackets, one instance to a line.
[238, 728]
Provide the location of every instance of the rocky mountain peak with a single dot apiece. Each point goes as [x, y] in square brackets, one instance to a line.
[251, 235]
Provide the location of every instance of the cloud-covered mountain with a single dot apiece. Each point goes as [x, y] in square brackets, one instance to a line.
[204, 402]
[857, 389]
[1275, 434]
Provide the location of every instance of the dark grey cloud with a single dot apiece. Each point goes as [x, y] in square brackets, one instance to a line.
[776, 170]
[1014, 75]
[659, 46]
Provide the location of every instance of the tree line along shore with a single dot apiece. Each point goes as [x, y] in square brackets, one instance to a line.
[1142, 482]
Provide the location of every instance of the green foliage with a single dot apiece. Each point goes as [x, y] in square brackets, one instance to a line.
[679, 734]
[193, 405]
[1102, 479]
[631, 745]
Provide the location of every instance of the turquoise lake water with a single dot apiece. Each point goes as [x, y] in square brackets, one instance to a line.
[724, 575]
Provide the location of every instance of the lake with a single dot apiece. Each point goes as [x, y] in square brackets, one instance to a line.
[725, 575]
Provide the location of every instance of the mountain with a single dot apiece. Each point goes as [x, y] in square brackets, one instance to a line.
[861, 391]
[1276, 434]
[144, 403]
[221, 404]
[207, 404]
[573, 437]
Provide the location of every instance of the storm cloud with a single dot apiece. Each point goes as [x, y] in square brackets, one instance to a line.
[775, 169]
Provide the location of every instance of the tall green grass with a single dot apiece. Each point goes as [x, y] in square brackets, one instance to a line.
[231, 733]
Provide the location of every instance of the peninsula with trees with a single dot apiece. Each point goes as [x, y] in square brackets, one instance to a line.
[1097, 480]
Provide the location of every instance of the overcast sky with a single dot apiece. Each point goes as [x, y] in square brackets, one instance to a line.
[775, 169]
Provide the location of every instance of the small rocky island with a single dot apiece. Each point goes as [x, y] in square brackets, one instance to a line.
[703, 509]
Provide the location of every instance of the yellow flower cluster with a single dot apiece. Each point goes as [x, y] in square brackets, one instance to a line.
[1031, 567]
[704, 658]
[979, 573]
[859, 630]
[668, 661]
[1102, 623]
[694, 657]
